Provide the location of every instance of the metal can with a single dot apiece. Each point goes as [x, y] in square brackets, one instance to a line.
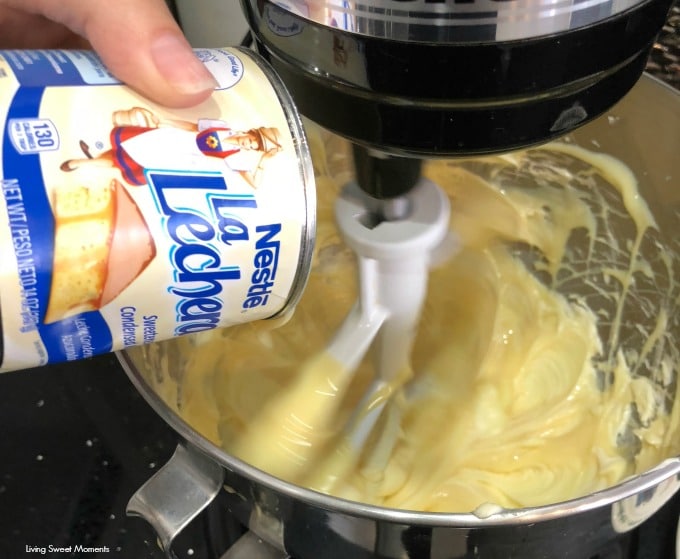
[123, 222]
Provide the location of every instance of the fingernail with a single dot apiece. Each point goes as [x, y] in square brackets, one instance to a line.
[177, 63]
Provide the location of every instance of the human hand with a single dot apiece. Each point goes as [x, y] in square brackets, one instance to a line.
[138, 40]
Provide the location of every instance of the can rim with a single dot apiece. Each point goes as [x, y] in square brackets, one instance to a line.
[306, 172]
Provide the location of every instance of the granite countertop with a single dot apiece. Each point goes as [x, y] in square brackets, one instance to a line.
[664, 62]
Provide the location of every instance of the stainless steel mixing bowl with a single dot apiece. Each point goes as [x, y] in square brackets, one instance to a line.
[643, 131]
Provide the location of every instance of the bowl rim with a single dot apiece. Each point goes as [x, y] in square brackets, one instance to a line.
[628, 487]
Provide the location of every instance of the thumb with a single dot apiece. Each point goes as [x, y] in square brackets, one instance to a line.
[140, 43]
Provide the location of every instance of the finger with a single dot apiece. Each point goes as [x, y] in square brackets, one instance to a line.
[139, 42]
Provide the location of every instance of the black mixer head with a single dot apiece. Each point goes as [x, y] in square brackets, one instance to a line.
[423, 78]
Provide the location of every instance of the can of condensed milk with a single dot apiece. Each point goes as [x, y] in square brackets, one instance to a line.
[123, 222]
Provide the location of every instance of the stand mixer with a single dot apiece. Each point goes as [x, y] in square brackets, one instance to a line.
[514, 92]
[452, 77]
[408, 79]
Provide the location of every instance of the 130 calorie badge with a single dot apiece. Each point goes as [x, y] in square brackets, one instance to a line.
[33, 135]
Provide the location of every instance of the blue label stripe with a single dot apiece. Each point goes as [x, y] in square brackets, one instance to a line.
[77, 337]
[41, 68]
[89, 329]
[26, 170]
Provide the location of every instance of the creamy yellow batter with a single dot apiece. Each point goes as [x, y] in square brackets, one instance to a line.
[543, 368]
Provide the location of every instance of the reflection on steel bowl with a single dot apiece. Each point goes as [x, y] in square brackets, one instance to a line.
[544, 373]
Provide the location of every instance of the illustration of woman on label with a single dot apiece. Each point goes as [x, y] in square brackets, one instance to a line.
[141, 140]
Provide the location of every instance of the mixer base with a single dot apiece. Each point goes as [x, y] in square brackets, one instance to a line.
[655, 539]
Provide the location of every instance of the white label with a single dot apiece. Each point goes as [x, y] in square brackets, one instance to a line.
[123, 222]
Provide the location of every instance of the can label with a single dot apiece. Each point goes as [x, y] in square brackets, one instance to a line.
[123, 222]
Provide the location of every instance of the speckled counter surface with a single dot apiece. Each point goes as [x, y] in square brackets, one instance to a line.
[664, 62]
